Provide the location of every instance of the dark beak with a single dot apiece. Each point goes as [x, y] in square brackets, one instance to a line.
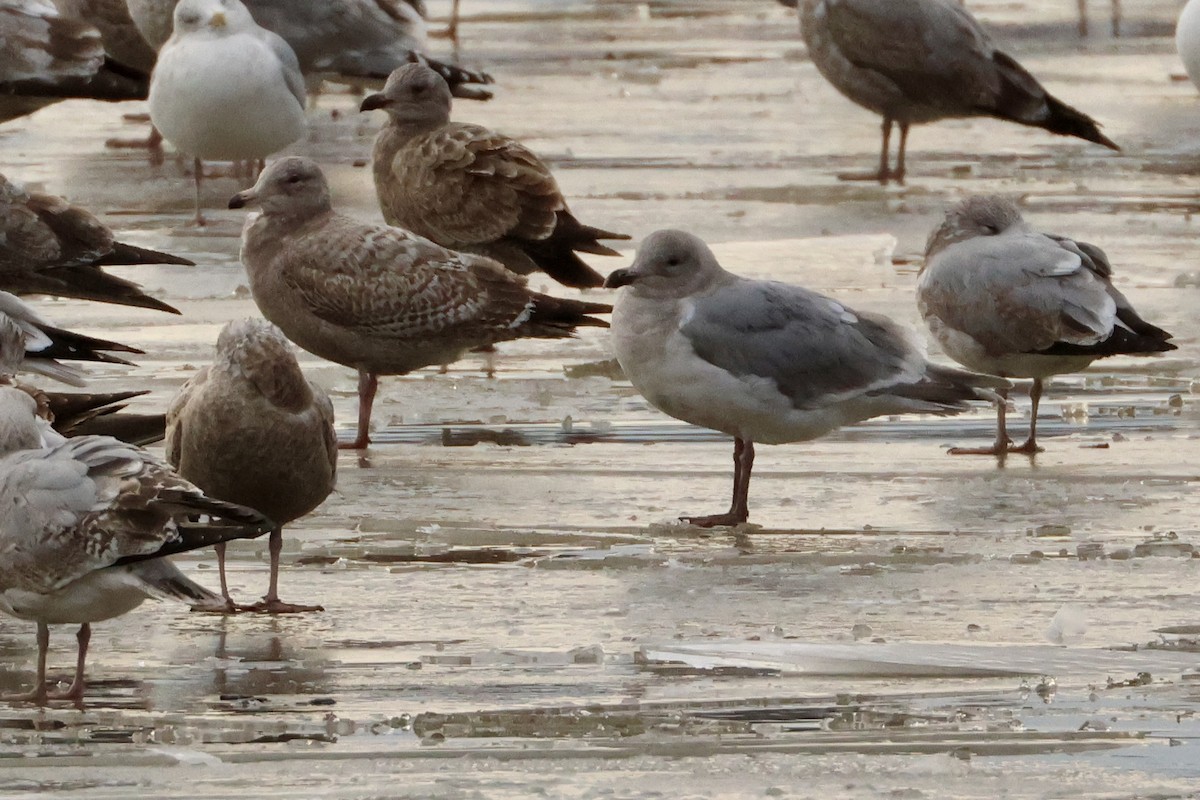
[619, 278]
[240, 199]
[373, 101]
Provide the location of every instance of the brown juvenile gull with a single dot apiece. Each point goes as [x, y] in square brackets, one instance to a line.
[764, 361]
[46, 57]
[28, 343]
[84, 528]
[351, 41]
[48, 246]
[921, 61]
[471, 189]
[376, 298]
[1006, 300]
[252, 430]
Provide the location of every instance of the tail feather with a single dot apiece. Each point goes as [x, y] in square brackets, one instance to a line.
[555, 255]
[90, 283]
[1023, 100]
[164, 581]
[72, 346]
[124, 254]
[457, 77]
[558, 317]
[1122, 342]
[948, 389]
[227, 521]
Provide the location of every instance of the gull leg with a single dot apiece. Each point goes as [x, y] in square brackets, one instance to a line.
[228, 607]
[1083, 18]
[38, 694]
[1116, 17]
[739, 511]
[271, 604]
[1031, 446]
[199, 176]
[368, 382]
[898, 175]
[75, 690]
[1002, 443]
[883, 174]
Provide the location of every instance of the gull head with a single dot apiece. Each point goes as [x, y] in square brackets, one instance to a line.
[414, 95]
[669, 263]
[979, 215]
[257, 351]
[218, 17]
[19, 427]
[290, 187]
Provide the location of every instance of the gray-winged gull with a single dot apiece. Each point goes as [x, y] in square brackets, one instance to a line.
[28, 343]
[376, 298]
[85, 525]
[49, 246]
[471, 189]
[920, 61]
[764, 361]
[1005, 300]
[250, 429]
[225, 88]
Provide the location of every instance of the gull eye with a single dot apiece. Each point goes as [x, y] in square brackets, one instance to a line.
[673, 261]
[190, 19]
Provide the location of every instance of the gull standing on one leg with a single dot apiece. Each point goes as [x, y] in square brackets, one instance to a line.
[224, 88]
[764, 361]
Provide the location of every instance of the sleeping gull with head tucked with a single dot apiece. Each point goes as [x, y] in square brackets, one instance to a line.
[1004, 299]
[764, 361]
[376, 298]
[251, 429]
[224, 88]
[85, 525]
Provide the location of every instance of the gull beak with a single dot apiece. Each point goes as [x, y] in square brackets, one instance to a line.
[374, 101]
[619, 278]
[217, 20]
[242, 199]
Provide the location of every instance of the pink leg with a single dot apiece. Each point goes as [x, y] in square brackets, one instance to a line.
[75, 690]
[38, 694]
[228, 607]
[1002, 443]
[271, 604]
[1031, 446]
[739, 508]
[368, 383]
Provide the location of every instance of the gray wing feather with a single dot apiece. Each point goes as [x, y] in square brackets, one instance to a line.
[812, 347]
[291, 65]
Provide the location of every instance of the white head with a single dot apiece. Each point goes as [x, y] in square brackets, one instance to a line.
[217, 18]
[669, 263]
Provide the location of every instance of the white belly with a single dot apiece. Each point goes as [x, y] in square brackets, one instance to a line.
[237, 107]
[97, 596]
[971, 354]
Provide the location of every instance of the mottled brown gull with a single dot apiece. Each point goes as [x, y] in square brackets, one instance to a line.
[376, 298]
[921, 61]
[48, 246]
[250, 429]
[471, 189]
[763, 361]
[1004, 299]
[28, 343]
[46, 57]
[355, 41]
[85, 526]
[225, 88]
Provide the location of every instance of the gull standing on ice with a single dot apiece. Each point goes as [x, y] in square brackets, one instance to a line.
[28, 343]
[250, 429]
[224, 88]
[763, 361]
[48, 246]
[920, 61]
[1005, 300]
[471, 189]
[380, 299]
[84, 527]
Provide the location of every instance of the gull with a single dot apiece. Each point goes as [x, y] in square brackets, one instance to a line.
[46, 57]
[764, 361]
[224, 88]
[85, 525]
[1006, 300]
[28, 343]
[353, 41]
[1187, 39]
[250, 429]
[49, 246]
[920, 61]
[379, 299]
[471, 189]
